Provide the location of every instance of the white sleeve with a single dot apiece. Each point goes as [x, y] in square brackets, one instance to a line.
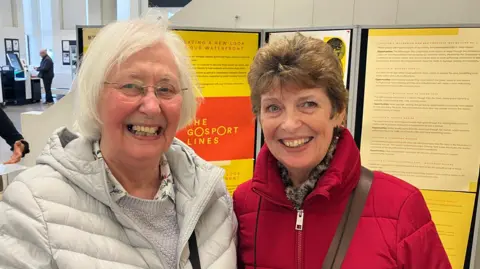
[23, 231]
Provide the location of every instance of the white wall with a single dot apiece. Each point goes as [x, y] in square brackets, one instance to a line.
[6, 18]
[93, 12]
[318, 13]
[11, 15]
[109, 11]
[63, 73]
[73, 13]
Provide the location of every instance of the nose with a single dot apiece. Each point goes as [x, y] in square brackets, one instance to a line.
[291, 121]
[150, 105]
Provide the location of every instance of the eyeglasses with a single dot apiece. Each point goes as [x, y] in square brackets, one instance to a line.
[162, 91]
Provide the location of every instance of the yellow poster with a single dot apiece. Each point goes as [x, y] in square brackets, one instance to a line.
[88, 34]
[225, 131]
[421, 106]
[452, 214]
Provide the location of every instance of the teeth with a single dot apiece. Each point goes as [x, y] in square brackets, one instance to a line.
[144, 130]
[295, 143]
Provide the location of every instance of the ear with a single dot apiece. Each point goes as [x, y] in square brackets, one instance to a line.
[339, 118]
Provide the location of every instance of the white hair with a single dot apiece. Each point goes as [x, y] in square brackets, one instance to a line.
[113, 45]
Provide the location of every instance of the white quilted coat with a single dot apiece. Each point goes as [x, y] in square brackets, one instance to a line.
[59, 213]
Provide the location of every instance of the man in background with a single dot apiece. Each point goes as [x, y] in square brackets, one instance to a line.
[45, 72]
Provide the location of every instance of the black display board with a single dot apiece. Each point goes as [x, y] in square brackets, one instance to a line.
[12, 45]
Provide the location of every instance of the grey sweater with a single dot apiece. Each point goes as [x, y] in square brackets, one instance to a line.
[157, 218]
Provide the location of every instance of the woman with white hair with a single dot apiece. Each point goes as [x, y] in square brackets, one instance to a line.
[123, 192]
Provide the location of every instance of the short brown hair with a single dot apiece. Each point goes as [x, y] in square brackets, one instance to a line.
[303, 61]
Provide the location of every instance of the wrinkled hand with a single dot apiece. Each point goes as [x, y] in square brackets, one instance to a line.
[18, 149]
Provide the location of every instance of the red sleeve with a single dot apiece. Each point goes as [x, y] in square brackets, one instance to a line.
[419, 246]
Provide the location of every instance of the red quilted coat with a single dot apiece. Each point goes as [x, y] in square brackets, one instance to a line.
[395, 230]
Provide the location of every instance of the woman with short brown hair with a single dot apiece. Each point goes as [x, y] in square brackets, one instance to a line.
[310, 203]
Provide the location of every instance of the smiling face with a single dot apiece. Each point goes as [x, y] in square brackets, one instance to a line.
[135, 126]
[298, 126]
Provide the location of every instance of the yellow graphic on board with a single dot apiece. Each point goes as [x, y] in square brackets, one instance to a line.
[413, 32]
[452, 214]
[340, 48]
[88, 34]
[236, 172]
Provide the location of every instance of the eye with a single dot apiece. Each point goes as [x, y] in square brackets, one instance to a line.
[309, 104]
[129, 86]
[272, 108]
[166, 91]
[131, 89]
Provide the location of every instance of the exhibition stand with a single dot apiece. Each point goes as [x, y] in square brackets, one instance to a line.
[413, 98]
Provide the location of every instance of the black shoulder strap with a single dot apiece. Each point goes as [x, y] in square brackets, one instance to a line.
[194, 257]
[345, 230]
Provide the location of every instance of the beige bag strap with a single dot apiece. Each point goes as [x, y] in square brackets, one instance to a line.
[345, 230]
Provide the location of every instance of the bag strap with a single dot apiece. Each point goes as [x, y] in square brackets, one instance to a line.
[348, 224]
[194, 257]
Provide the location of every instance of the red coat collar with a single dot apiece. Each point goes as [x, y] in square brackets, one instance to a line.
[339, 180]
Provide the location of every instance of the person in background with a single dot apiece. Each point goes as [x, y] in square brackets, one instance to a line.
[122, 191]
[14, 139]
[46, 73]
[289, 212]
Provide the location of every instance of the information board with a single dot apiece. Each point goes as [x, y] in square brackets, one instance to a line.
[417, 119]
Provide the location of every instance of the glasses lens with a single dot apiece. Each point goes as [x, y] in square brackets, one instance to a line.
[166, 91]
[131, 89]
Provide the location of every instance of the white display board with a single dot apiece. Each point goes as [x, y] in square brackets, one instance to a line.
[339, 39]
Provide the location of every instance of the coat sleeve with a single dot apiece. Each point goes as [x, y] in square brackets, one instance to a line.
[46, 66]
[8, 131]
[419, 245]
[23, 231]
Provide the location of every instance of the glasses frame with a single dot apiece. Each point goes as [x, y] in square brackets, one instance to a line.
[143, 88]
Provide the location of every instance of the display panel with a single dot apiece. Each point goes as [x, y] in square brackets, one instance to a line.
[88, 34]
[417, 119]
[421, 106]
[224, 132]
[14, 61]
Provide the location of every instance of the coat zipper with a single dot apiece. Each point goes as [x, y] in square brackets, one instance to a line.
[299, 229]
